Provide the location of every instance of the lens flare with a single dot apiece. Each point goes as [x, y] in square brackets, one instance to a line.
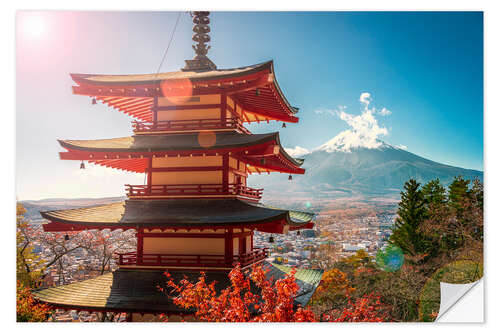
[177, 91]
[33, 25]
[207, 139]
[390, 259]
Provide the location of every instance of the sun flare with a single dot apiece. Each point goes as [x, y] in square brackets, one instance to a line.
[34, 25]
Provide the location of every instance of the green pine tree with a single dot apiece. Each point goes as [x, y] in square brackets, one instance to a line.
[458, 191]
[434, 193]
[411, 213]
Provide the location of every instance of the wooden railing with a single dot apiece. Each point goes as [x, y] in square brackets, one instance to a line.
[191, 260]
[192, 190]
[188, 125]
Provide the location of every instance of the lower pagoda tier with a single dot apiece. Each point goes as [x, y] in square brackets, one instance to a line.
[136, 291]
[204, 234]
[201, 214]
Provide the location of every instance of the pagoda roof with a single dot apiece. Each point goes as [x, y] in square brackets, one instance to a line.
[169, 142]
[177, 214]
[133, 94]
[128, 153]
[127, 290]
[134, 79]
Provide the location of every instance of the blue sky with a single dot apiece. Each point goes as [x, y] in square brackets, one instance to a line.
[426, 68]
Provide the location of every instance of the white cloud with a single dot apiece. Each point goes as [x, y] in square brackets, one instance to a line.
[297, 151]
[365, 98]
[331, 112]
[364, 128]
[384, 112]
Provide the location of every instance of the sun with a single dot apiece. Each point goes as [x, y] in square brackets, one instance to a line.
[33, 25]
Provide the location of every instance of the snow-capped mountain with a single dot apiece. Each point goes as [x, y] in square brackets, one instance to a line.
[371, 167]
[346, 142]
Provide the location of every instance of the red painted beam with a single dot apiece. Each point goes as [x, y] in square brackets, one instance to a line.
[188, 107]
[177, 169]
[193, 235]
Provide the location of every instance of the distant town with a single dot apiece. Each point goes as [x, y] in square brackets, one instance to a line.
[333, 238]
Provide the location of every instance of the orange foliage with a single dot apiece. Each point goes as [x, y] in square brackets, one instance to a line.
[274, 301]
[365, 309]
[237, 303]
[333, 281]
[27, 308]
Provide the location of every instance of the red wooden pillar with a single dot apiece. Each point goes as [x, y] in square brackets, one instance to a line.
[223, 109]
[150, 174]
[140, 245]
[225, 173]
[228, 246]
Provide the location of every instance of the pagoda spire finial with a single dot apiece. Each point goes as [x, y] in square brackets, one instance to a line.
[201, 29]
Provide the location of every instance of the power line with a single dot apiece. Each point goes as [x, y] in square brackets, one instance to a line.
[169, 43]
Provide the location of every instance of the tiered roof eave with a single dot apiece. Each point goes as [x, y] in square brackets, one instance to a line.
[254, 87]
[199, 214]
[262, 152]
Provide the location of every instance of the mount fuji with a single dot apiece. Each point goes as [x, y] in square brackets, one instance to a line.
[357, 166]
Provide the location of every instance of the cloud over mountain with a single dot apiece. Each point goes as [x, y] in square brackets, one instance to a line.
[364, 132]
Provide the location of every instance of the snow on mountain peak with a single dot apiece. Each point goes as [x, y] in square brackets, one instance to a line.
[346, 141]
[364, 131]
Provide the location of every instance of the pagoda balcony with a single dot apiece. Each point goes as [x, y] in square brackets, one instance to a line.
[191, 260]
[188, 125]
[193, 190]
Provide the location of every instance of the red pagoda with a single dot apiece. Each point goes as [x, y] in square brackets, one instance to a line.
[195, 211]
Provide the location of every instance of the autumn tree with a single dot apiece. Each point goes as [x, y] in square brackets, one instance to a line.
[333, 292]
[368, 308]
[458, 227]
[58, 246]
[103, 244]
[273, 301]
[27, 308]
[29, 269]
[253, 297]
[29, 266]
